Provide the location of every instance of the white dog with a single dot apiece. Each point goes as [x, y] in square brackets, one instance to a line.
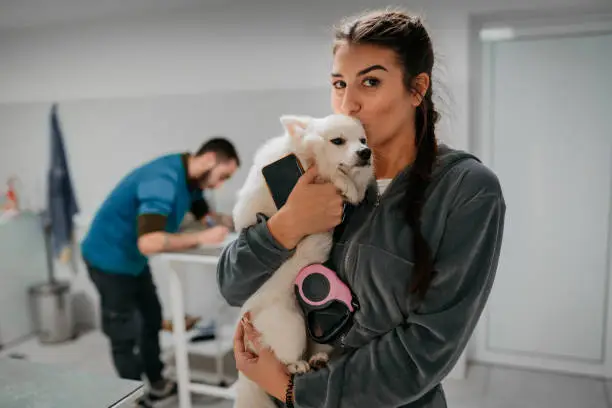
[337, 145]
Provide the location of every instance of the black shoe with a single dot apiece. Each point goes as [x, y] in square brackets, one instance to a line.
[162, 389]
[143, 402]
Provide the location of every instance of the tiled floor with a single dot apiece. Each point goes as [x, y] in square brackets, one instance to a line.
[485, 387]
[498, 387]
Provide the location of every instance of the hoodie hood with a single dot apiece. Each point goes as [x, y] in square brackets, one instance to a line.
[446, 159]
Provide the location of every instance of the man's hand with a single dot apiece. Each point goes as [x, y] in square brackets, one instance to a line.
[227, 220]
[157, 242]
[219, 219]
[214, 235]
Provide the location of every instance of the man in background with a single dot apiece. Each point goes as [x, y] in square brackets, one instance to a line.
[141, 217]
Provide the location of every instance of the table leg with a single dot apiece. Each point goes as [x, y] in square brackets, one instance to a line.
[220, 357]
[180, 339]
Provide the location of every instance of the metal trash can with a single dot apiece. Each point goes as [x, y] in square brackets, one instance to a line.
[52, 309]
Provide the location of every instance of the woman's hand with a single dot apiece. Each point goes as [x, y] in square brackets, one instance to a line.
[262, 366]
[310, 208]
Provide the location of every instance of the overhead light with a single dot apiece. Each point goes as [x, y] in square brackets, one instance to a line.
[497, 34]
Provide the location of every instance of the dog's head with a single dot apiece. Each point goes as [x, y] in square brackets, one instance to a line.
[336, 144]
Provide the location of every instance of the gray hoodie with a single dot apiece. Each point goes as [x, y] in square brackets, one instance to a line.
[397, 352]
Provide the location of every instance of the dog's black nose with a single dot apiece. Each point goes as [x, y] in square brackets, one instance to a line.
[364, 154]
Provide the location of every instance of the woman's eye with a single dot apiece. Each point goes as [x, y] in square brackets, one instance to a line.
[371, 82]
[339, 84]
[337, 141]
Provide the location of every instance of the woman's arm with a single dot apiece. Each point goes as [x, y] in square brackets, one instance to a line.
[246, 263]
[406, 363]
[262, 248]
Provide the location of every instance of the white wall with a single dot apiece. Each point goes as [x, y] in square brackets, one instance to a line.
[198, 49]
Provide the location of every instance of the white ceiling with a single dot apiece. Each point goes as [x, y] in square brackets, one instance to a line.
[36, 13]
[30, 13]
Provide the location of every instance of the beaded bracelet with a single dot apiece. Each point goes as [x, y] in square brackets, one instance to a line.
[289, 393]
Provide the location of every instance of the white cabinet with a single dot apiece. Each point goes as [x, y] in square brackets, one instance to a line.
[547, 133]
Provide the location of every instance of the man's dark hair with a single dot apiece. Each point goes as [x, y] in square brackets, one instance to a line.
[223, 148]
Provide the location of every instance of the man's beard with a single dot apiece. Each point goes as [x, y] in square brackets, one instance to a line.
[203, 179]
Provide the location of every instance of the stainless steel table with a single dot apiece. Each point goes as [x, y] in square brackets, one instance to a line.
[25, 384]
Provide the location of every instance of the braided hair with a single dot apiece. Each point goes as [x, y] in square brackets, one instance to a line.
[408, 38]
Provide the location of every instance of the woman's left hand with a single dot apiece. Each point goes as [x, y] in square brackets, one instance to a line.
[262, 366]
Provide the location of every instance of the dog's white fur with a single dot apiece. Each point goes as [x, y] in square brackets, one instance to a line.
[274, 310]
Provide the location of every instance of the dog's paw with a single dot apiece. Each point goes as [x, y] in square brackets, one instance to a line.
[299, 367]
[315, 248]
[318, 360]
[352, 194]
[348, 190]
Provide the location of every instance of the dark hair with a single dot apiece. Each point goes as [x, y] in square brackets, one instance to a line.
[407, 36]
[223, 148]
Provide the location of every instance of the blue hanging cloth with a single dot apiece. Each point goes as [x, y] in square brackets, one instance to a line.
[61, 200]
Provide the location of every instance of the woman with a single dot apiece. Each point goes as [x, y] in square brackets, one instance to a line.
[419, 253]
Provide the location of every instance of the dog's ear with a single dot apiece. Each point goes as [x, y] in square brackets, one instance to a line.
[295, 125]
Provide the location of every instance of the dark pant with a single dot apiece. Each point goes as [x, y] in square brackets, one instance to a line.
[132, 319]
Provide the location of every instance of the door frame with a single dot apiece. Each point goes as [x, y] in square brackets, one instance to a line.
[485, 32]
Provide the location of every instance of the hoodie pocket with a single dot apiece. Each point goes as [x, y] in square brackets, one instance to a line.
[380, 281]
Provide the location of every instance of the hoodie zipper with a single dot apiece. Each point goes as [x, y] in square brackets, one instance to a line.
[342, 338]
[370, 218]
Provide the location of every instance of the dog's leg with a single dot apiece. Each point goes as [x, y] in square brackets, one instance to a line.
[250, 395]
[348, 189]
[253, 198]
[312, 249]
[319, 354]
[318, 360]
[283, 330]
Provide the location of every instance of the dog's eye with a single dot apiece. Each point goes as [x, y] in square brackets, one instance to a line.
[338, 141]
[363, 141]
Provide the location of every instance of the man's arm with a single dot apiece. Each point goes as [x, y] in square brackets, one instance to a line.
[156, 198]
[153, 239]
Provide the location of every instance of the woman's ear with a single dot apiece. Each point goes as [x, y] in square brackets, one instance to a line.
[420, 85]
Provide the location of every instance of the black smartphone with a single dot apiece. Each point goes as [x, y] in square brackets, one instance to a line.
[281, 176]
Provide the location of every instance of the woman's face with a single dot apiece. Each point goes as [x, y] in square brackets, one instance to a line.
[368, 83]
